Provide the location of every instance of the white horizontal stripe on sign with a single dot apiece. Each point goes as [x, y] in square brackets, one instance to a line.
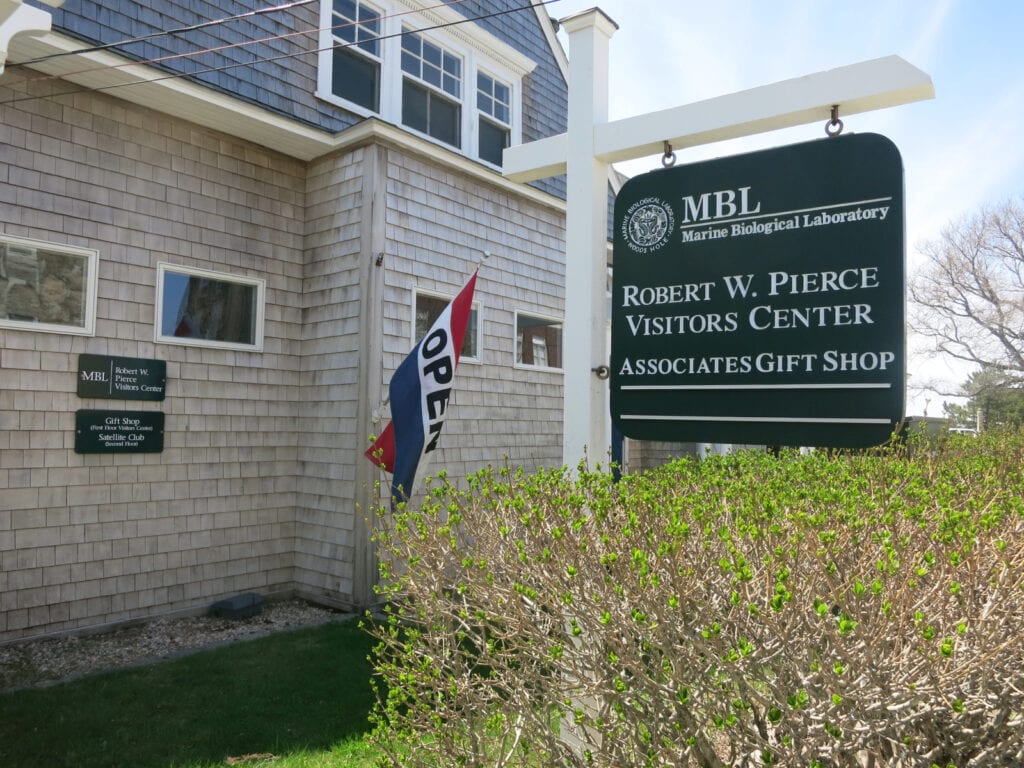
[747, 419]
[692, 387]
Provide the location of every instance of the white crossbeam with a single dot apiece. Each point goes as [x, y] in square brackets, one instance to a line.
[863, 87]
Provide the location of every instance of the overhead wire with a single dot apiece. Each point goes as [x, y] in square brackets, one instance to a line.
[257, 60]
[167, 32]
[203, 51]
[218, 48]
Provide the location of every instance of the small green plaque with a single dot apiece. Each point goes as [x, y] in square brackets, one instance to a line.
[121, 378]
[759, 298]
[119, 431]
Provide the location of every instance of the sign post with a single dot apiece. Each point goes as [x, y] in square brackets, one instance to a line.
[857, 88]
[758, 298]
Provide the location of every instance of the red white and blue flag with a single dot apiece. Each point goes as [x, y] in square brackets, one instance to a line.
[419, 393]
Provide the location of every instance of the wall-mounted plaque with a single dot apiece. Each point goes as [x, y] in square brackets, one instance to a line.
[121, 378]
[119, 431]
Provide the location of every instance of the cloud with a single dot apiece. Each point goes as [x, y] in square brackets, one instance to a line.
[926, 47]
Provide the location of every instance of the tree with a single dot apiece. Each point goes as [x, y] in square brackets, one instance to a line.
[968, 299]
[990, 399]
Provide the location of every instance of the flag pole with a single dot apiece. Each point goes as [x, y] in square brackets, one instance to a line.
[383, 403]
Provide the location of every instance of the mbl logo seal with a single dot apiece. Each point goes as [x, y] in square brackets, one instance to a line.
[647, 225]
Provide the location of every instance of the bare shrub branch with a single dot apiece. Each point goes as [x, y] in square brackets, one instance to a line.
[842, 611]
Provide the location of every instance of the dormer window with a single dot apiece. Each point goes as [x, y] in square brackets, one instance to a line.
[425, 67]
[355, 70]
[494, 102]
[431, 89]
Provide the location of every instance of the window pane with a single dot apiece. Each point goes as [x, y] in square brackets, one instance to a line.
[429, 112]
[429, 308]
[538, 342]
[356, 78]
[493, 139]
[358, 24]
[494, 98]
[453, 74]
[370, 19]
[410, 64]
[204, 308]
[451, 86]
[444, 120]
[411, 43]
[43, 286]
[432, 75]
[345, 32]
[431, 63]
[369, 41]
[453, 64]
[431, 54]
[501, 93]
[346, 9]
[414, 106]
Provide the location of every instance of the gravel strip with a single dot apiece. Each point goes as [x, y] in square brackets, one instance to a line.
[45, 662]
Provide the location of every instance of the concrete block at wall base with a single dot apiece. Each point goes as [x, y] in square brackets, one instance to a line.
[238, 607]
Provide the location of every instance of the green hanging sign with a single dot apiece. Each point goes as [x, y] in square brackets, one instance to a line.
[758, 299]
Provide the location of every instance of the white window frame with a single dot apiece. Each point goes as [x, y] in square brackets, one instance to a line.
[89, 289]
[162, 268]
[437, 91]
[477, 325]
[515, 341]
[478, 49]
[486, 116]
[358, 49]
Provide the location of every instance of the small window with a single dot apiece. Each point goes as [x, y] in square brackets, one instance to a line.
[47, 287]
[428, 308]
[431, 89]
[356, 64]
[195, 306]
[538, 341]
[494, 102]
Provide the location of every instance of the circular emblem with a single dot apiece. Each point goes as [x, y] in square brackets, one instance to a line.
[647, 225]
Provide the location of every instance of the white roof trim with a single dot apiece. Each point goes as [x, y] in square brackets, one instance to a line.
[373, 129]
[185, 99]
[548, 24]
[148, 87]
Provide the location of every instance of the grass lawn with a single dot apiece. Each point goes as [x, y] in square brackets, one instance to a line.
[291, 700]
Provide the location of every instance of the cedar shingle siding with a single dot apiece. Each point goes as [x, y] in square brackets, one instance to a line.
[261, 485]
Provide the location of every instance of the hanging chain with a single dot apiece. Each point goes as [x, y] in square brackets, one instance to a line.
[834, 126]
[669, 158]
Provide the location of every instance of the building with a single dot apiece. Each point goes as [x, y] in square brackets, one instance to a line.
[266, 203]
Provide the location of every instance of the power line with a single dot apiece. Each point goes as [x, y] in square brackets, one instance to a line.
[225, 67]
[166, 32]
[202, 51]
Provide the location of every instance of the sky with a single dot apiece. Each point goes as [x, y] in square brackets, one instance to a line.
[962, 150]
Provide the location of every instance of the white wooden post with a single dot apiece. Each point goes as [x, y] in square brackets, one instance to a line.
[584, 416]
[591, 143]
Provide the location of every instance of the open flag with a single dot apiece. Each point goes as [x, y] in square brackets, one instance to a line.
[419, 392]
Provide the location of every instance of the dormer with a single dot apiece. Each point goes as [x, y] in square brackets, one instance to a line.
[420, 66]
